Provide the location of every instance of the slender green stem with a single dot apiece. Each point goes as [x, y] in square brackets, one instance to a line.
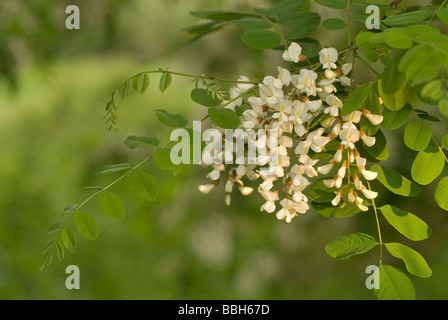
[349, 23]
[434, 14]
[367, 64]
[285, 43]
[378, 226]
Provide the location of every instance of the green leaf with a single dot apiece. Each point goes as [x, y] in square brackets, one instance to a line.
[363, 40]
[443, 107]
[406, 18]
[394, 102]
[223, 15]
[397, 39]
[86, 225]
[335, 4]
[416, 61]
[165, 81]
[70, 208]
[395, 182]
[351, 245]
[357, 98]
[143, 184]
[395, 119]
[330, 211]
[224, 118]
[163, 159]
[428, 165]
[112, 205]
[441, 194]
[205, 97]
[252, 24]
[417, 136]
[445, 142]
[113, 168]
[140, 83]
[286, 6]
[415, 263]
[394, 285]
[334, 24]
[409, 225]
[320, 193]
[302, 24]
[47, 257]
[443, 15]
[393, 80]
[69, 239]
[134, 142]
[60, 251]
[380, 150]
[170, 119]
[55, 227]
[261, 39]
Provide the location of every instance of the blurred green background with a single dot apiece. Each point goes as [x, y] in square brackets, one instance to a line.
[54, 84]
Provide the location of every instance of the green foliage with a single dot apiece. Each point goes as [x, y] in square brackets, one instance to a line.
[86, 225]
[224, 118]
[428, 165]
[163, 159]
[415, 263]
[351, 245]
[408, 224]
[205, 97]
[395, 182]
[417, 136]
[394, 285]
[143, 184]
[441, 194]
[357, 98]
[112, 205]
[261, 39]
[170, 119]
[110, 169]
[134, 142]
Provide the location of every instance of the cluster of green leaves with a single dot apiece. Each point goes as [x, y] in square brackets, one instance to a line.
[415, 58]
[206, 93]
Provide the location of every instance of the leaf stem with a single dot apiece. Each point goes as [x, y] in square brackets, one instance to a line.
[378, 226]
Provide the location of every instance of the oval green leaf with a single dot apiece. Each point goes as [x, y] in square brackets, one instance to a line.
[441, 194]
[134, 142]
[143, 184]
[261, 39]
[113, 168]
[163, 159]
[112, 205]
[394, 285]
[334, 24]
[409, 225]
[395, 119]
[205, 97]
[224, 118]
[357, 98]
[406, 18]
[351, 245]
[86, 225]
[428, 165]
[417, 136]
[165, 81]
[395, 182]
[170, 119]
[69, 239]
[415, 263]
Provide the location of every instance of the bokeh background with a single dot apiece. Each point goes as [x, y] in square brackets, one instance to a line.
[54, 84]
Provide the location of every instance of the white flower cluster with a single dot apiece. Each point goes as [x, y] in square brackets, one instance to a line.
[304, 111]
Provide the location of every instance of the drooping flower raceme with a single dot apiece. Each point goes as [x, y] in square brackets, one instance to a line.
[301, 114]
